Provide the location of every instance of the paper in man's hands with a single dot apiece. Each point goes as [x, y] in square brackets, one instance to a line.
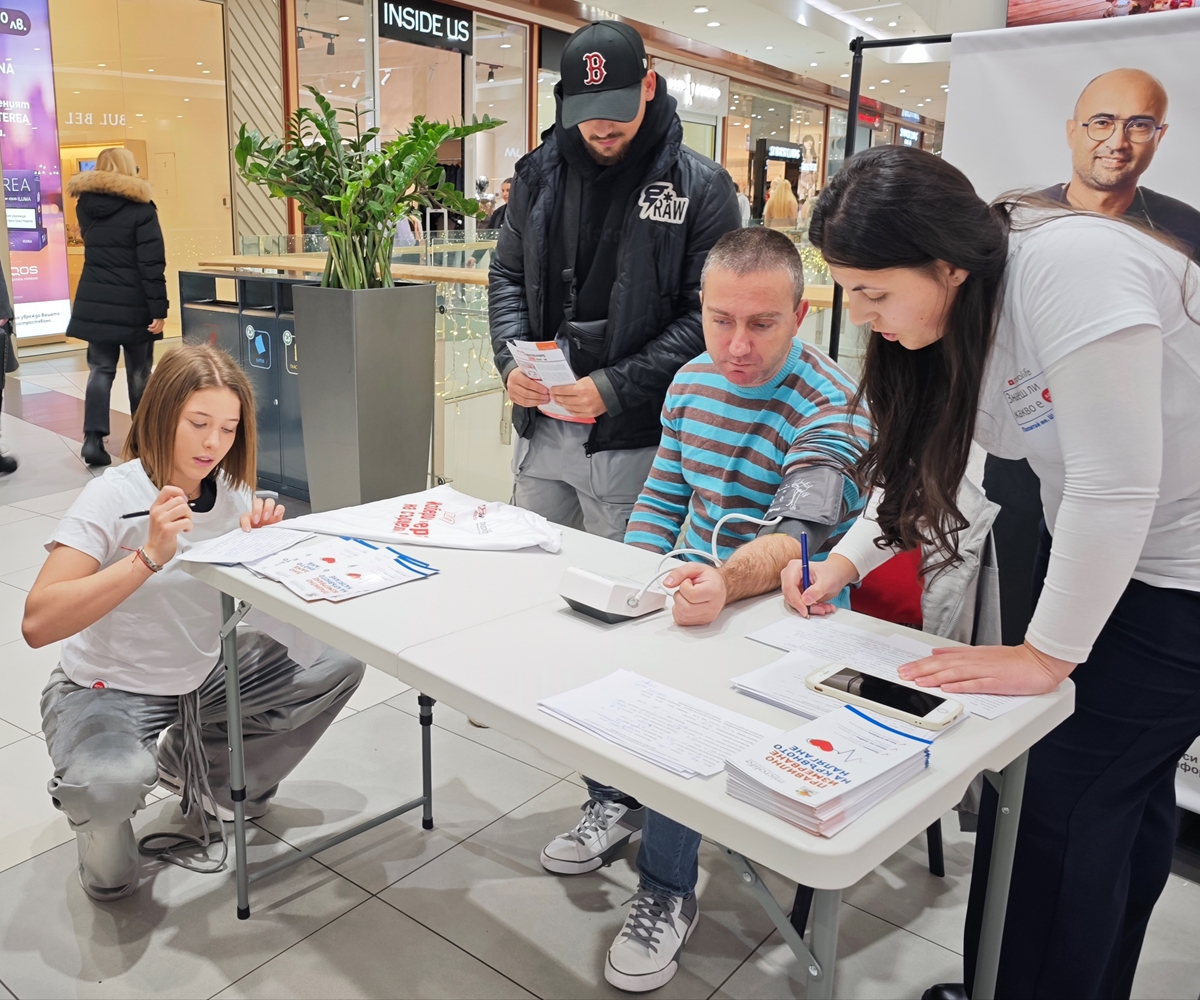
[545, 362]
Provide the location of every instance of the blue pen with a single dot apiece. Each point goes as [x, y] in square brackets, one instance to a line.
[805, 578]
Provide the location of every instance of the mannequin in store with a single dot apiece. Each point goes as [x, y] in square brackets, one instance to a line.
[1074, 342]
[782, 209]
[121, 300]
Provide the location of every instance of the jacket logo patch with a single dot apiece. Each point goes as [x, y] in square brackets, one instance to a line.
[660, 203]
[594, 64]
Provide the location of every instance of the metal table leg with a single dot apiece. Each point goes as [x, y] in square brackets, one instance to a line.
[820, 961]
[827, 905]
[237, 769]
[1010, 783]
[231, 615]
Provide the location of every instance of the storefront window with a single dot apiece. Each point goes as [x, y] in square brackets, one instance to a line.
[550, 47]
[331, 53]
[501, 54]
[148, 75]
[774, 118]
[837, 141]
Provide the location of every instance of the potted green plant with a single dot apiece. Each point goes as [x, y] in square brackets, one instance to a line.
[367, 374]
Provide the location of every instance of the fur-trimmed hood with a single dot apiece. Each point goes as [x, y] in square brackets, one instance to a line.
[109, 182]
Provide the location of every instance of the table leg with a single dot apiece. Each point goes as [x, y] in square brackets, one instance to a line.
[426, 709]
[995, 904]
[237, 760]
[827, 905]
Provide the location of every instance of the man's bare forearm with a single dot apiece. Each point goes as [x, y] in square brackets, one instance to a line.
[754, 568]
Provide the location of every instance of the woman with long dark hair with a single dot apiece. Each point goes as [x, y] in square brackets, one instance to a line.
[1070, 340]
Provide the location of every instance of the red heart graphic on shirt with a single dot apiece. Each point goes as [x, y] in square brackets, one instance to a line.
[822, 745]
[328, 559]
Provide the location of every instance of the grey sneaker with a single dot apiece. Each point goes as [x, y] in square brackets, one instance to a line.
[108, 862]
[645, 955]
[606, 827]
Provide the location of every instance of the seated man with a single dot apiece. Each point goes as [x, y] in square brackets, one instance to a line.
[761, 425]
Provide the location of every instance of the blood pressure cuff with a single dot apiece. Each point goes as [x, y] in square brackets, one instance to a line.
[810, 500]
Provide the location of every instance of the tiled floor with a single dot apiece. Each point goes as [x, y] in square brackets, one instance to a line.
[463, 910]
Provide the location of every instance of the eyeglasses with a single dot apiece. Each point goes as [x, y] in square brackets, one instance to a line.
[1138, 129]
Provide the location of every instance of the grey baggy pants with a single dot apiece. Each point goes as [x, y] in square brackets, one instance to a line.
[105, 747]
[556, 478]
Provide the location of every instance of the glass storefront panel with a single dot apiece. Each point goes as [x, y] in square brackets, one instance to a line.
[547, 80]
[331, 54]
[501, 57]
[149, 75]
[760, 114]
[837, 142]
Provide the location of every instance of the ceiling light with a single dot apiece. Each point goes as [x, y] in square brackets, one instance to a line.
[891, 24]
[491, 74]
[342, 85]
[209, 70]
[329, 50]
[179, 116]
[812, 64]
[299, 41]
[199, 64]
[102, 65]
[186, 99]
[745, 126]
[770, 109]
[362, 39]
[506, 45]
[868, 19]
[902, 90]
[344, 17]
[491, 105]
[871, 87]
[714, 24]
[770, 47]
[699, 10]
[885, 81]
[845, 76]
[75, 91]
[149, 71]
[139, 115]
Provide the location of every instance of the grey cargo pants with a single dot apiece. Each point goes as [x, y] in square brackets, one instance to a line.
[106, 752]
[556, 478]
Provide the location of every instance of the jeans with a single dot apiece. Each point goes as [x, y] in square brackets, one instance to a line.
[667, 859]
[102, 362]
[1097, 828]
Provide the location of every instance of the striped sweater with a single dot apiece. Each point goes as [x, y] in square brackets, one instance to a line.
[726, 448]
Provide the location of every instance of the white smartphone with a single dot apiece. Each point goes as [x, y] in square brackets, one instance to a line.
[908, 704]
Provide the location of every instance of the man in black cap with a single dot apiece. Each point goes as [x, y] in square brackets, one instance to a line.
[608, 224]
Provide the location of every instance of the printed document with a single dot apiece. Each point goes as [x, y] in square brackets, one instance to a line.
[882, 656]
[545, 362]
[239, 546]
[681, 733]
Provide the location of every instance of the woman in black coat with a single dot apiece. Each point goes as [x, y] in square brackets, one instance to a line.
[121, 301]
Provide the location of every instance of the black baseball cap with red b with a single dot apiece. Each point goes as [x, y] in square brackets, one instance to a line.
[603, 64]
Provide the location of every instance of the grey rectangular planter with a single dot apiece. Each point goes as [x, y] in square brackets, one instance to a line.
[366, 390]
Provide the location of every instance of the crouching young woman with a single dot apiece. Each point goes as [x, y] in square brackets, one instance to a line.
[140, 647]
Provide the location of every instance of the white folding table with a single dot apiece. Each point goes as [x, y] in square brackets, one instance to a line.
[491, 637]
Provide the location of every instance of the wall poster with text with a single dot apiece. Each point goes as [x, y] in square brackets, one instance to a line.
[33, 195]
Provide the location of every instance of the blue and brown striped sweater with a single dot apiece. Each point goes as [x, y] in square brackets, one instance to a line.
[726, 448]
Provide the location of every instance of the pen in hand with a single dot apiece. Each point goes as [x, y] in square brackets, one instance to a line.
[806, 579]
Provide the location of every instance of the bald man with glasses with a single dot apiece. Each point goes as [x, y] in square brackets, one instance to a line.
[1119, 121]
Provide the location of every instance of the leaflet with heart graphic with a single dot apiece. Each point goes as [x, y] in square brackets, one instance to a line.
[826, 774]
[337, 569]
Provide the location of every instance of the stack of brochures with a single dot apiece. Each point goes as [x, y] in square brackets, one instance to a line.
[824, 775]
[337, 569]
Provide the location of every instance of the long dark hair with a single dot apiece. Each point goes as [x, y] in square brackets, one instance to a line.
[894, 206]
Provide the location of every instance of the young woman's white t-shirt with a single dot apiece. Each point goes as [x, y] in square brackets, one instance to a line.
[162, 639]
[1103, 310]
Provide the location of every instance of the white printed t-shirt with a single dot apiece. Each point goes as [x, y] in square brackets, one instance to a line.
[1070, 283]
[162, 639]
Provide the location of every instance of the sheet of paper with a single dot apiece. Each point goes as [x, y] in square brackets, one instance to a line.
[871, 653]
[337, 569]
[239, 546]
[545, 362]
[678, 731]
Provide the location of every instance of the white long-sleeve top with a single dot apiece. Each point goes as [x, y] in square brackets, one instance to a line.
[1095, 379]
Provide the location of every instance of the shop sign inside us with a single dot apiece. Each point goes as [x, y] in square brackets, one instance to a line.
[426, 22]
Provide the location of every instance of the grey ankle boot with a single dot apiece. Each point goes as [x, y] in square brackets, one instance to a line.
[108, 861]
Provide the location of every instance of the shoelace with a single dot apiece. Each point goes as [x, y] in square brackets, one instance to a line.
[194, 792]
[595, 820]
[650, 909]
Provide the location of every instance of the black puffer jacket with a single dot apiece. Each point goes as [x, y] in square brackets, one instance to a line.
[682, 205]
[123, 286]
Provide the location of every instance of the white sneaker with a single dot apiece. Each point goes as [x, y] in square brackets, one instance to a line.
[606, 827]
[108, 862]
[645, 954]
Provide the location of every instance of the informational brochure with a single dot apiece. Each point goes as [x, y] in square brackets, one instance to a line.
[337, 569]
[826, 774]
[832, 642]
[545, 362]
